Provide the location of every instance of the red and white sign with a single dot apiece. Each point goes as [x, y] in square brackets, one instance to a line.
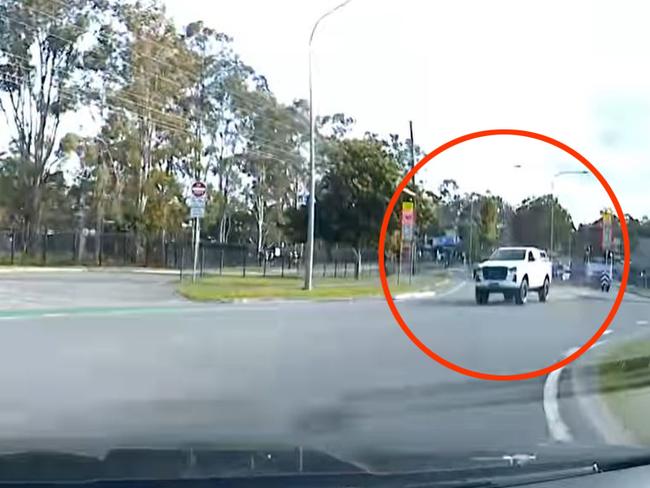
[199, 189]
[408, 220]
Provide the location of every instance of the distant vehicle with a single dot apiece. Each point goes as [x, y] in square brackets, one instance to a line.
[561, 271]
[514, 272]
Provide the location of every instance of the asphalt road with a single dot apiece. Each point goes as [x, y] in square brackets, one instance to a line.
[338, 376]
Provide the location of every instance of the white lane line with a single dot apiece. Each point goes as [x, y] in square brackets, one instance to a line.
[641, 322]
[599, 343]
[608, 331]
[557, 428]
[414, 296]
[453, 290]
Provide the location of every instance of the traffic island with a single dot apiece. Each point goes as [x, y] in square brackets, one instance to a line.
[231, 288]
[624, 385]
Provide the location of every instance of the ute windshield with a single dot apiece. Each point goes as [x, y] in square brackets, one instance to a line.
[508, 255]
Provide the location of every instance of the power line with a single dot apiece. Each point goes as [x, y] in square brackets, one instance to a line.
[169, 126]
[244, 102]
[180, 119]
[146, 100]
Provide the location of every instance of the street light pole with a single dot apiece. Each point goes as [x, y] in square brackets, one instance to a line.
[471, 229]
[311, 206]
[550, 247]
[556, 175]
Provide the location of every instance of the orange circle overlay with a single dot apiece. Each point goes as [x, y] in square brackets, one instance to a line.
[478, 374]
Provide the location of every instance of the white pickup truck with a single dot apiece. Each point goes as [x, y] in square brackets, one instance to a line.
[514, 272]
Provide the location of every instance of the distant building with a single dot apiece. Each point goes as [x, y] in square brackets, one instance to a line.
[590, 235]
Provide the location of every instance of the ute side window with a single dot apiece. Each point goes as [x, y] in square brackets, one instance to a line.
[530, 256]
[542, 255]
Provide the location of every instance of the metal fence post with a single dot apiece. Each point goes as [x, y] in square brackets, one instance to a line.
[282, 272]
[221, 262]
[345, 269]
[264, 265]
[182, 260]
[324, 269]
[336, 265]
[202, 259]
[100, 251]
[44, 250]
[13, 245]
[74, 246]
[243, 271]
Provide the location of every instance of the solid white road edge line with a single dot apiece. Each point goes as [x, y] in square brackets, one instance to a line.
[453, 290]
[428, 294]
[557, 428]
[415, 295]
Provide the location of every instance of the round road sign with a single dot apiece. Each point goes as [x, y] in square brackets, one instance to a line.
[199, 189]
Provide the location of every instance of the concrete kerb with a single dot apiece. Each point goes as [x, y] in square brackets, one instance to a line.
[585, 389]
[41, 269]
[83, 269]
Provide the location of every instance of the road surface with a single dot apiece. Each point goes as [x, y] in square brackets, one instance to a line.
[339, 376]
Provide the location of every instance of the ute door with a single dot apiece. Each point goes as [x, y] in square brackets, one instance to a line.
[534, 269]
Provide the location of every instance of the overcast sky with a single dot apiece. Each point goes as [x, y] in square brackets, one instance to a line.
[573, 70]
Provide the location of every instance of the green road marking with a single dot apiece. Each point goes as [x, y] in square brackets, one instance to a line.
[104, 311]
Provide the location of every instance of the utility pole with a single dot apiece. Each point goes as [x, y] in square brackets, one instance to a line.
[412, 145]
[414, 242]
[471, 230]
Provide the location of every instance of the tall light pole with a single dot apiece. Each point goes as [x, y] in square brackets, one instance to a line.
[309, 262]
[471, 229]
[556, 175]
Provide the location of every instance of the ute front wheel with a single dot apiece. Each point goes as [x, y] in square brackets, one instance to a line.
[543, 291]
[521, 295]
[482, 297]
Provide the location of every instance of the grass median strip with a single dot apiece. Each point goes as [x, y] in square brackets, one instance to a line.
[232, 288]
[624, 382]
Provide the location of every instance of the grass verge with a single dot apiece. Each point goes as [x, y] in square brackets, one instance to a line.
[216, 288]
[624, 382]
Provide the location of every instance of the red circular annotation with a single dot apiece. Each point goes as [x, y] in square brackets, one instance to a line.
[478, 374]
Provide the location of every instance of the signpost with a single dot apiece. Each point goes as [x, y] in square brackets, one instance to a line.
[408, 231]
[607, 234]
[197, 212]
[606, 244]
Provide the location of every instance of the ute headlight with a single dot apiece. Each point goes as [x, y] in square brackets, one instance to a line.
[513, 272]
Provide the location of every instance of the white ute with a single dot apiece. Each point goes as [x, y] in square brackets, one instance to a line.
[514, 272]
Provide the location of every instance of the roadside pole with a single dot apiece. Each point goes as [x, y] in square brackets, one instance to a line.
[412, 145]
[197, 240]
[197, 212]
[399, 260]
[407, 238]
[413, 241]
[606, 244]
